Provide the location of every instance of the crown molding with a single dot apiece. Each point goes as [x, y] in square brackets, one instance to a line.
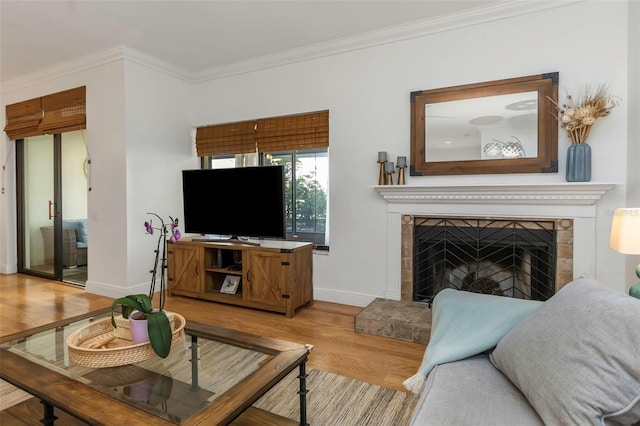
[141, 58]
[97, 59]
[64, 69]
[380, 37]
[306, 53]
[560, 194]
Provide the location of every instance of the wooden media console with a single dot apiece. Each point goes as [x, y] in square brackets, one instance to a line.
[274, 275]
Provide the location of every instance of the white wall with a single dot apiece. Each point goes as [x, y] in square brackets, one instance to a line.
[138, 140]
[139, 120]
[367, 93]
[633, 153]
[142, 174]
[159, 146]
[106, 138]
[106, 142]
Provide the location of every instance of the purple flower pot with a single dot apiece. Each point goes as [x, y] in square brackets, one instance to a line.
[138, 325]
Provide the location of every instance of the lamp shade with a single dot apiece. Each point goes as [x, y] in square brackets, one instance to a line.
[625, 231]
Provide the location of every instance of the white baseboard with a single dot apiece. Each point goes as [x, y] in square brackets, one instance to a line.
[111, 290]
[392, 295]
[342, 297]
[8, 268]
[333, 296]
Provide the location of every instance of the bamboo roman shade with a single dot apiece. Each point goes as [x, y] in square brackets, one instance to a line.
[64, 111]
[230, 138]
[286, 133]
[293, 132]
[56, 113]
[23, 119]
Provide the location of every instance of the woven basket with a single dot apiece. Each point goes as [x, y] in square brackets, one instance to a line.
[123, 330]
[85, 347]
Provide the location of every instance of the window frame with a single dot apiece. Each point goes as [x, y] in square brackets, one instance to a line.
[319, 239]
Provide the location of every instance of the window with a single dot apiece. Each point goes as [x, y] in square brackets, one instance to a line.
[306, 188]
[300, 142]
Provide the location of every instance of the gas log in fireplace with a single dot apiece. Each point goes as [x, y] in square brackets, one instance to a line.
[515, 258]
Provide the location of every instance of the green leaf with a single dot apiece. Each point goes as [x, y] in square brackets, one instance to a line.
[143, 301]
[127, 311]
[130, 303]
[158, 324]
[159, 329]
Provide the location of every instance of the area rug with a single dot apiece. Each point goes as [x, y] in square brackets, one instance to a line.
[11, 395]
[331, 400]
[334, 400]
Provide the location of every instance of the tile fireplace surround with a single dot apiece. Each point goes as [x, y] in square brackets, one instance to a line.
[554, 201]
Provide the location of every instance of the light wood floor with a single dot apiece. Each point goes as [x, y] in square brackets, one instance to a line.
[27, 302]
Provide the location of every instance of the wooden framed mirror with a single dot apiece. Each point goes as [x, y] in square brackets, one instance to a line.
[502, 126]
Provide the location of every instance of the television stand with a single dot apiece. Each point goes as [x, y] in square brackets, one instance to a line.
[225, 240]
[275, 275]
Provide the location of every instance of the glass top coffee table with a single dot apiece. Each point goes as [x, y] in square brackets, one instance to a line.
[212, 378]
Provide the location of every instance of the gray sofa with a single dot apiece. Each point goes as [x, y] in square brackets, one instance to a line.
[572, 360]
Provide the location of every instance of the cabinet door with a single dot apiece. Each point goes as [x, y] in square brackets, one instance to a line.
[266, 276]
[185, 269]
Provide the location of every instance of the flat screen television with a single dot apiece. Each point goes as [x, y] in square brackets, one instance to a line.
[238, 202]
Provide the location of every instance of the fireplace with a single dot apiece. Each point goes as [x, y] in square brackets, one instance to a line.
[525, 258]
[515, 258]
[551, 225]
[570, 206]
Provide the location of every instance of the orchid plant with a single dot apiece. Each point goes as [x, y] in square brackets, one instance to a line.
[158, 325]
[161, 262]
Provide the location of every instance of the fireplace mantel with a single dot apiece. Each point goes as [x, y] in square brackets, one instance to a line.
[571, 200]
[563, 194]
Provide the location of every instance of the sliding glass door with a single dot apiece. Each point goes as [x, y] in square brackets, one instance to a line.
[75, 236]
[52, 206]
[38, 207]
